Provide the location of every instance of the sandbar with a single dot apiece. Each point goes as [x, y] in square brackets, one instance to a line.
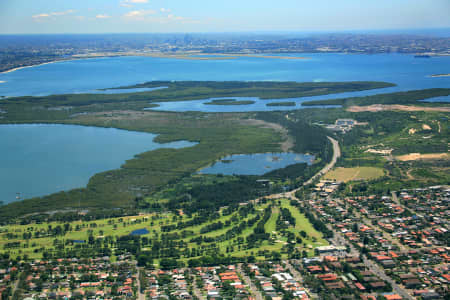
[440, 75]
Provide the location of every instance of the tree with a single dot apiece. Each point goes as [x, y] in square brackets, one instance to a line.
[355, 227]
[142, 260]
[167, 263]
[228, 291]
[276, 255]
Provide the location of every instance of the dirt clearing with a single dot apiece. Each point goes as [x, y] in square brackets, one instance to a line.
[382, 107]
[417, 156]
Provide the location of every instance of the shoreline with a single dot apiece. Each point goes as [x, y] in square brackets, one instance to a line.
[31, 66]
[188, 56]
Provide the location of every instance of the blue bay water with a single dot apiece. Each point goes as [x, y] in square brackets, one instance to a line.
[37, 159]
[88, 75]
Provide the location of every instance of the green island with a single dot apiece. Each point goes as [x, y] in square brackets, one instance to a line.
[174, 91]
[229, 102]
[193, 219]
[288, 103]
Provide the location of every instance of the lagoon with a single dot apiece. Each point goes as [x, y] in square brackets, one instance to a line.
[256, 164]
[256, 105]
[40, 159]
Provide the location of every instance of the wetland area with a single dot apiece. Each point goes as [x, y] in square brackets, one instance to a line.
[52, 166]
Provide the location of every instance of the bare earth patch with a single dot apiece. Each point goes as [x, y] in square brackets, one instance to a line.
[417, 156]
[381, 151]
[382, 107]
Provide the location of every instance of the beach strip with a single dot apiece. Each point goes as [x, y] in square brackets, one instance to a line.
[37, 65]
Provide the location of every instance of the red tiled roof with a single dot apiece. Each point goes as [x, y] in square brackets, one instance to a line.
[446, 276]
[393, 297]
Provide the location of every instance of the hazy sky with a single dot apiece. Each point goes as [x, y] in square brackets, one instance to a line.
[96, 16]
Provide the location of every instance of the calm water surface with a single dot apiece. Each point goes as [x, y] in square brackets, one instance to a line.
[259, 105]
[87, 75]
[256, 164]
[39, 159]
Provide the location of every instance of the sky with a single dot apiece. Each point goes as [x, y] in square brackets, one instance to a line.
[123, 16]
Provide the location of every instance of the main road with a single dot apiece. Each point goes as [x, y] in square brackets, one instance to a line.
[254, 290]
[330, 165]
[324, 170]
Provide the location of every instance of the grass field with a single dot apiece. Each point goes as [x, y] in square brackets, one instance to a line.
[271, 223]
[351, 174]
[34, 246]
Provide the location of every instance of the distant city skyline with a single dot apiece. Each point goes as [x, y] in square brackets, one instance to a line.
[153, 16]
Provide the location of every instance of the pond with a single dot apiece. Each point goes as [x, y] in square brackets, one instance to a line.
[256, 164]
[141, 231]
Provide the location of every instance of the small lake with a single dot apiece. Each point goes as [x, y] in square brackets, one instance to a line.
[256, 164]
[141, 231]
[38, 159]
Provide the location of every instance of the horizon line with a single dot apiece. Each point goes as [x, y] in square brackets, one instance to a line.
[275, 32]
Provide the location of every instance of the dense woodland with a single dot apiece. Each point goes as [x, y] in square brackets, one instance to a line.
[60, 107]
[409, 97]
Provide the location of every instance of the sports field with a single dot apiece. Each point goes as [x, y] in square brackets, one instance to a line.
[358, 173]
